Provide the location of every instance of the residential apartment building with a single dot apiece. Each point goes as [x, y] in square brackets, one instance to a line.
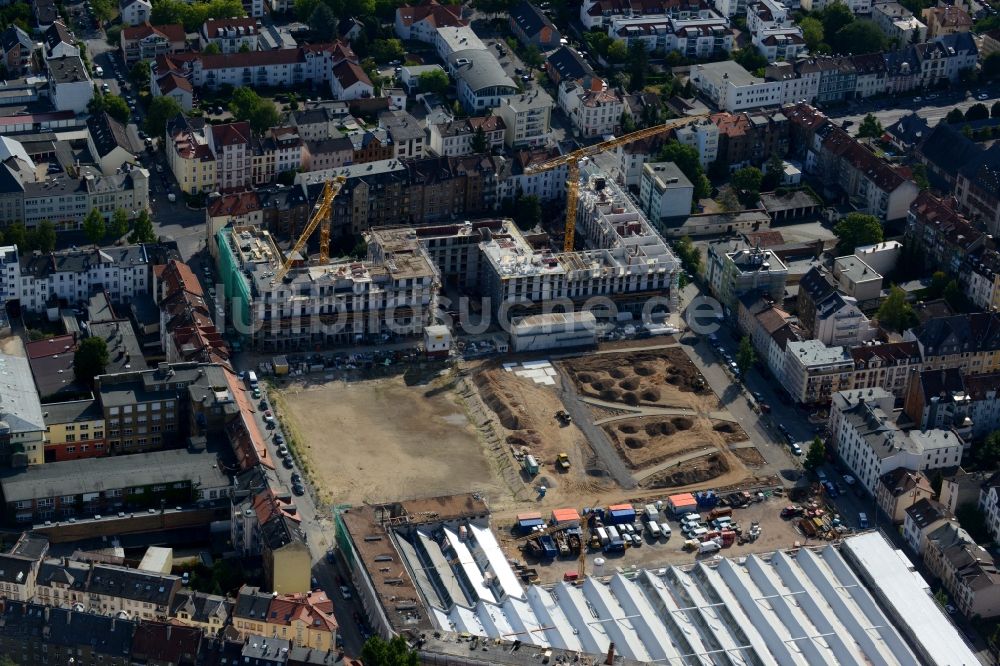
[592, 112]
[70, 87]
[280, 149]
[305, 618]
[945, 238]
[420, 22]
[732, 88]
[134, 12]
[22, 425]
[702, 135]
[813, 372]
[966, 570]
[734, 269]
[39, 634]
[937, 399]
[406, 134]
[817, 285]
[664, 191]
[71, 275]
[968, 341]
[989, 505]
[549, 185]
[146, 42]
[898, 23]
[899, 490]
[871, 444]
[208, 612]
[269, 527]
[189, 155]
[526, 119]
[231, 35]
[74, 430]
[749, 138]
[840, 322]
[230, 143]
[946, 20]
[19, 567]
[532, 27]
[457, 137]
[17, 48]
[976, 189]
[857, 280]
[885, 365]
[107, 588]
[769, 328]
[924, 517]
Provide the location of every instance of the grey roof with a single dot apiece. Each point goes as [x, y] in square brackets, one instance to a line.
[91, 475]
[13, 36]
[530, 19]
[31, 546]
[104, 634]
[15, 569]
[72, 411]
[107, 134]
[260, 650]
[67, 69]
[480, 70]
[124, 350]
[925, 512]
[99, 307]
[401, 126]
[200, 606]
[145, 385]
[81, 261]
[135, 584]
[251, 602]
[20, 408]
[965, 333]
[57, 34]
[54, 185]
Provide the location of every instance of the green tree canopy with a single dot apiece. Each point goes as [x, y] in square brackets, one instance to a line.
[93, 226]
[977, 112]
[855, 230]
[212, 49]
[160, 110]
[528, 212]
[812, 32]
[815, 456]
[119, 224]
[90, 360]
[140, 73]
[479, 143]
[745, 356]
[747, 182]
[16, 234]
[143, 231]
[687, 160]
[43, 237]
[919, 172]
[387, 50]
[991, 65]
[193, 14]
[377, 652]
[689, 254]
[617, 52]
[858, 37]
[870, 127]
[434, 81]
[895, 313]
[264, 116]
[749, 58]
[834, 17]
[954, 117]
[112, 104]
[638, 63]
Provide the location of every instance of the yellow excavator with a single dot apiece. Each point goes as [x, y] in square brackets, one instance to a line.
[572, 162]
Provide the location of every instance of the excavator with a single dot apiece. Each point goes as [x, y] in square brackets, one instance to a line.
[572, 162]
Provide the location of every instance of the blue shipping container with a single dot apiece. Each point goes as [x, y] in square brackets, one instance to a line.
[528, 525]
[550, 547]
[615, 546]
[620, 517]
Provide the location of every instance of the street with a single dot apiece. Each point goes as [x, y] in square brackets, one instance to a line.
[933, 106]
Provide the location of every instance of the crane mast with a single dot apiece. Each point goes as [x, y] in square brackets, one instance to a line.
[320, 217]
[572, 163]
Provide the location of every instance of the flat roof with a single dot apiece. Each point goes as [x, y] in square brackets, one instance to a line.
[92, 475]
[898, 585]
[20, 407]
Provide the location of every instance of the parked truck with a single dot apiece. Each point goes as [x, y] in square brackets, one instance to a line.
[719, 512]
[562, 461]
[529, 464]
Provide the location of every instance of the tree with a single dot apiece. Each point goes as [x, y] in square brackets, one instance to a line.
[858, 37]
[479, 144]
[750, 59]
[17, 235]
[687, 160]
[159, 112]
[747, 183]
[143, 231]
[638, 63]
[264, 116]
[954, 117]
[243, 102]
[728, 200]
[988, 453]
[977, 112]
[90, 360]
[617, 52]
[834, 17]
[870, 127]
[528, 212]
[212, 49]
[119, 224]
[303, 9]
[815, 455]
[689, 255]
[919, 172]
[991, 65]
[140, 73]
[745, 356]
[857, 229]
[532, 57]
[812, 32]
[775, 169]
[377, 652]
[434, 81]
[104, 10]
[492, 7]
[939, 280]
[93, 226]
[43, 237]
[895, 313]
[954, 295]
[995, 110]
[386, 50]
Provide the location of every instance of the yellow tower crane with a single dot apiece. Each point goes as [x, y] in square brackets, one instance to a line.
[572, 162]
[320, 217]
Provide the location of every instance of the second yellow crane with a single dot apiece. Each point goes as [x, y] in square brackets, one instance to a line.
[320, 217]
[572, 162]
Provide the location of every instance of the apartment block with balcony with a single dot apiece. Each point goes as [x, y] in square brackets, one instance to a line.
[815, 372]
[526, 118]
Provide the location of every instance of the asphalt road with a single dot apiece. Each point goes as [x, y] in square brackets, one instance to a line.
[933, 106]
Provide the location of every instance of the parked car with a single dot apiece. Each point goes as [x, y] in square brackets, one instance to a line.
[345, 591]
[282, 451]
[298, 489]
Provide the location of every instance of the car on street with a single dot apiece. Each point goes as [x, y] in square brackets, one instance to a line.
[982, 96]
[345, 592]
[831, 490]
[298, 489]
[283, 451]
[296, 477]
[262, 404]
[796, 449]
[278, 439]
[288, 463]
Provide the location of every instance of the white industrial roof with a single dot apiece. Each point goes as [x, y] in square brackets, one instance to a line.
[805, 607]
[908, 596]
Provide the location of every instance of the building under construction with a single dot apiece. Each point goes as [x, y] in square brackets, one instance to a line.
[393, 294]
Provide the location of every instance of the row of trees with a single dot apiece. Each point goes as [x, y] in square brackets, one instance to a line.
[974, 113]
[97, 229]
[114, 105]
[41, 238]
[193, 14]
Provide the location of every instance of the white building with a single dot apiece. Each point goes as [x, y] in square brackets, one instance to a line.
[898, 23]
[71, 275]
[455, 138]
[664, 191]
[871, 444]
[135, 12]
[732, 88]
[10, 273]
[702, 136]
[814, 372]
[70, 87]
[527, 118]
[231, 35]
[593, 113]
[989, 505]
[451, 40]
[22, 423]
[549, 185]
[554, 331]
[856, 6]
[839, 321]
[482, 81]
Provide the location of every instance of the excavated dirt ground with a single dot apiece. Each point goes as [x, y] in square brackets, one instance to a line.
[661, 377]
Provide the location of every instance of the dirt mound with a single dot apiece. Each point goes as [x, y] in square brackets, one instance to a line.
[602, 384]
[660, 428]
[645, 370]
[682, 422]
[508, 418]
[630, 384]
[618, 373]
[628, 428]
[611, 396]
[651, 395]
[724, 426]
[673, 380]
[750, 457]
[698, 470]
[634, 442]
[630, 398]
[585, 378]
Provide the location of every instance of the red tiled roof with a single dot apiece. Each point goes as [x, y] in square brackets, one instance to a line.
[231, 134]
[488, 123]
[60, 344]
[173, 32]
[842, 144]
[235, 205]
[895, 351]
[245, 436]
[349, 73]
[178, 276]
[172, 81]
[438, 15]
[259, 58]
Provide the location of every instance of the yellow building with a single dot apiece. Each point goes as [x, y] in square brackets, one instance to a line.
[967, 341]
[286, 568]
[209, 612]
[74, 430]
[190, 157]
[304, 619]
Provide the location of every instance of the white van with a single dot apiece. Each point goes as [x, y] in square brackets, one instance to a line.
[602, 534]
[665, 530]
[697, 532]
[252, 378]
[613, 533]
[653, 529]
[691, 518]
